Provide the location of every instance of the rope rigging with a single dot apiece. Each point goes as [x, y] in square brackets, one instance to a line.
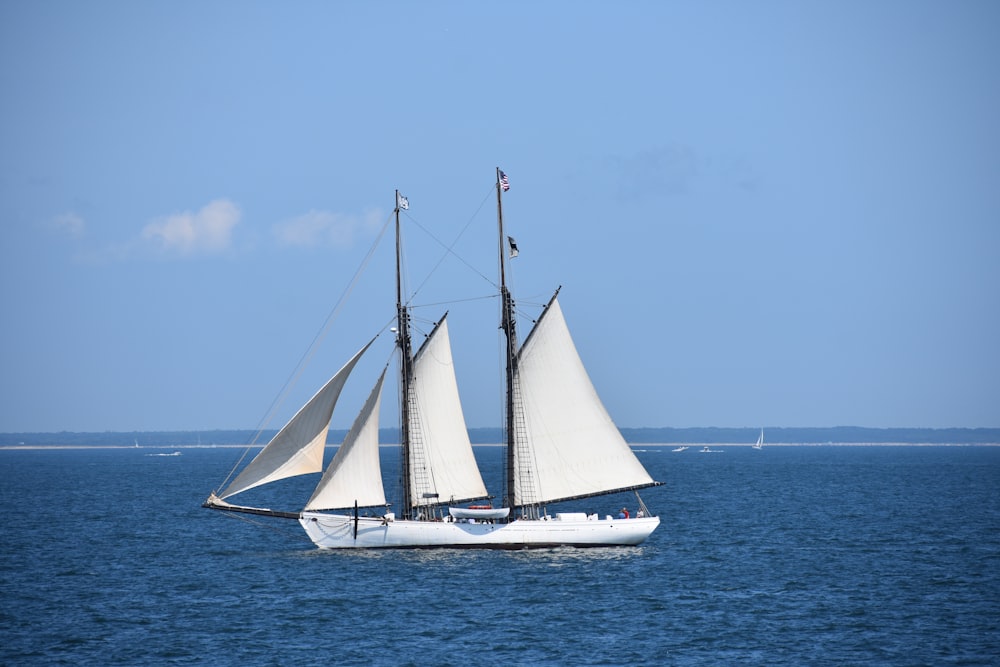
[310, 352]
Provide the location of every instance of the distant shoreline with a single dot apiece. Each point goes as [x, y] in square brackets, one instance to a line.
[638, 446]
[773, 436]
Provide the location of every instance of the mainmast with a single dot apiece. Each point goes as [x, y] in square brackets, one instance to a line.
[509, 326]
[405, 367]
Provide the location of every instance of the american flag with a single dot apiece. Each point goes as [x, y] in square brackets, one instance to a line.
[503, 182]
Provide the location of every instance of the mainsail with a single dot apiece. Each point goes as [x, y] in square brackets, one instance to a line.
[297, 449]
[443, 468]
[354, 476]
[576, 449]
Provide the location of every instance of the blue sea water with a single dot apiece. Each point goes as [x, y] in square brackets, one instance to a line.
[838, 555]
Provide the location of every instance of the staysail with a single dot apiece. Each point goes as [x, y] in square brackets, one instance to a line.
[575, 448]
[443, 468]
[297, 449]
[354, 476]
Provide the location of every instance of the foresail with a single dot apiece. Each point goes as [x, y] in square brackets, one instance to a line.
[443, 467]
[575, 448]
[297, 449]
[354, 475]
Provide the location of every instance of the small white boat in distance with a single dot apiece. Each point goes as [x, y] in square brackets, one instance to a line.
[680, 449]
[708, 450]
[760, 441]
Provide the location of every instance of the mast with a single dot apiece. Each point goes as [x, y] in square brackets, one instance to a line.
[405, 370]
[509, 326]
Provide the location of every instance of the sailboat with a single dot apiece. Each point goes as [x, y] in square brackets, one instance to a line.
[561, 445]
[760, 441]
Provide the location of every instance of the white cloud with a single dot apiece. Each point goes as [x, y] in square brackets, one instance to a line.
[317, 228]
[69, 224]
[205, 231]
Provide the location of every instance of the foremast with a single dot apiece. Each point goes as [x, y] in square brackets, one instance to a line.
[405, 370]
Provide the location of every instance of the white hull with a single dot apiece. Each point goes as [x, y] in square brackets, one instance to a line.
[337, 531]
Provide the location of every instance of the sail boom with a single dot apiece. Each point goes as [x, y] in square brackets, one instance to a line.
[624, 489]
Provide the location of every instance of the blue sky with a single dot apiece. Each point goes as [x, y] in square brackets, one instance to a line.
[761, 214]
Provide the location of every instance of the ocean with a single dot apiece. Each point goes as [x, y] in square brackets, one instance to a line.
[792, 555]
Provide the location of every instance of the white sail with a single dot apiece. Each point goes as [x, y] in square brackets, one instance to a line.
[355, 475]
[297, 449]
[575, 448]
[442, 465]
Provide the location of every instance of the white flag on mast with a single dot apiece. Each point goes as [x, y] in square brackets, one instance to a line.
[513, 246]
[402, 202]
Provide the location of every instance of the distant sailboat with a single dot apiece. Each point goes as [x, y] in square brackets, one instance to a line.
[760, 441]
[560, 445]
